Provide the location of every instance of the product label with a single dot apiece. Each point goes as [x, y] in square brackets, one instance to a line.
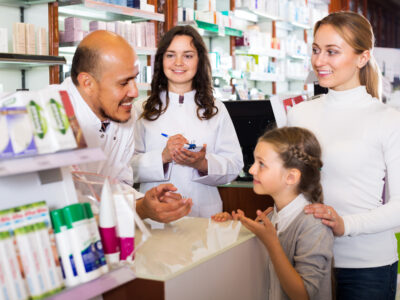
[61, 120]
[71, 260]
[89, 258]
[39, 122]
[101, 259]
[89, 253]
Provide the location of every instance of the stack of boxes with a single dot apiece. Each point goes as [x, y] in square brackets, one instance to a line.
[140, 34]
[24, 39]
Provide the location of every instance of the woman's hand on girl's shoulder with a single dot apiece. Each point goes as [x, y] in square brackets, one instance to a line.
[221, 217]
[328, 216]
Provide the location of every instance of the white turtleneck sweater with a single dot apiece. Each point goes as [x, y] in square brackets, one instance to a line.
[360, 140]
[223, 154]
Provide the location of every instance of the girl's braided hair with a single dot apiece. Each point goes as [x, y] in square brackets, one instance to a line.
[299, 148]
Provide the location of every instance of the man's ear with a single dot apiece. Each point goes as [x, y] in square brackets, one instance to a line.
[293, 177]
[86, 82]
[363, 59]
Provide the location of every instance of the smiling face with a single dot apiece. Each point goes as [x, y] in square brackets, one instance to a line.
[269, 175]
[334, 61]
[116, 88]
[180, 64]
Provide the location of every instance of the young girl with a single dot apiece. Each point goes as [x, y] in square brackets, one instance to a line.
[287, 163]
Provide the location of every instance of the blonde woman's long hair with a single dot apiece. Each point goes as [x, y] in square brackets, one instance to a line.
[357, 32]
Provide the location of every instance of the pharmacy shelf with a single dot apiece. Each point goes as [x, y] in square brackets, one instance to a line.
[23, 61]
[96, 287]
[268, 52]
[297, 56]
[289, 25]
[210, 29]
[49, 161]
[301, 25]
[259, 14]
[143, 86]
[295, 78]
[96, 10]
[260, 76]
[70, 47]
[24, 3]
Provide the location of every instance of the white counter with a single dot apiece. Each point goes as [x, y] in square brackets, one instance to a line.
[195, 258]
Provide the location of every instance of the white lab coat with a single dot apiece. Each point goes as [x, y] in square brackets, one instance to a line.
[117, 142]
[224, 155]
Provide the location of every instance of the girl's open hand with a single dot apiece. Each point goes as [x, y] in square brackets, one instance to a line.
[221, 217]
[261, 226]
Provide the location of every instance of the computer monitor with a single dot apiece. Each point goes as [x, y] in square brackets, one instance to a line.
[250, 119]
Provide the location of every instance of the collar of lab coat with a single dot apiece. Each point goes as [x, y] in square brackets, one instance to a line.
[81, 104]
[174, 98]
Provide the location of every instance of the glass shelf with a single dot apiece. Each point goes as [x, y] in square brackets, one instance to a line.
[297, 56]
[70, 47]
[259, 76]
[296, 78]
[268, 52]
[24, 3]
[290, 25]
[260, 15]
[96, 287]
[23, 61]
[90, 9]
[49, 161]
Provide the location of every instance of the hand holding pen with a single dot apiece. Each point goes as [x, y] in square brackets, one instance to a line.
[177, 152]
[174, 143]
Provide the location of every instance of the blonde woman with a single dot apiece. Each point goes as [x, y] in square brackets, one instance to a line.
[360, 140]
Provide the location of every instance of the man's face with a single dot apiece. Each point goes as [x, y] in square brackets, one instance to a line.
[116, 87]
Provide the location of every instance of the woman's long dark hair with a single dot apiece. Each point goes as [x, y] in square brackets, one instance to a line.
[152, 107]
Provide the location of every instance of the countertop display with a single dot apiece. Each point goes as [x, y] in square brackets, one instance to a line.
[196, 258]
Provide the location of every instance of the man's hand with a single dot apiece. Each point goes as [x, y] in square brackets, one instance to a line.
[163, 205]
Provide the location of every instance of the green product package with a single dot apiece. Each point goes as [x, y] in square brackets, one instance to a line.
[57, 220]
[73, 213]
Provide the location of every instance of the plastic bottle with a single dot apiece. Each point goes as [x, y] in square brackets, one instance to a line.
[30, 263]
[81, 243]
[41, 235]
[96, 240]
[63, 243]
[108, 226]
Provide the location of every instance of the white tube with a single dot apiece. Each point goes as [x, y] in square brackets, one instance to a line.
[108, 225]
[125, 224]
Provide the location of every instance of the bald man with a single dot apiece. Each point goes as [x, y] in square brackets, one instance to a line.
[102, 88]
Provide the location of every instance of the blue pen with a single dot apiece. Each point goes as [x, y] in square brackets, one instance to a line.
[190, 146]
